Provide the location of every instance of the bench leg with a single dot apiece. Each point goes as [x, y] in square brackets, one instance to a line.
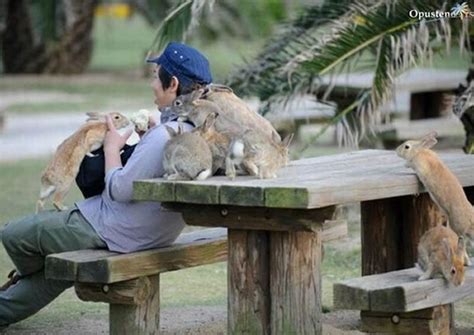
[138, 319]
[424, 322]
[274, 282]
[391, 229]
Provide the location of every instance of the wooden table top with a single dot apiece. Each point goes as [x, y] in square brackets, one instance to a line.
[308, 183]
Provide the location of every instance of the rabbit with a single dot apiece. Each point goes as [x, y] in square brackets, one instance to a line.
[442, 185]
[218, 142]
[258, 155]
[441, 251]
[61, 171]
[186, 156]
[233, 112]
[141, 119]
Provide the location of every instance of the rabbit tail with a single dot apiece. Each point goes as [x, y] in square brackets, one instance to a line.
[204, 174]
[236, 150]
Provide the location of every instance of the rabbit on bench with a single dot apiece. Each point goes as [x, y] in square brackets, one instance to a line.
[61, 171]
[442, 185]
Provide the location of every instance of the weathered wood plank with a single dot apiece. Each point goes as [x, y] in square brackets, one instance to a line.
[192, 249]
[254, 218]
[399, 291]
[146, 190]
[141, 319]
[249, 282]
[323, 181]
[129, 292]
[430, 321]
[295, 282]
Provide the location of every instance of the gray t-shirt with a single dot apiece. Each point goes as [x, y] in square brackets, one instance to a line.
[127, 225]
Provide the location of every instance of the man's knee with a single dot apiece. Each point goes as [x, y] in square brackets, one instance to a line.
[9, 236]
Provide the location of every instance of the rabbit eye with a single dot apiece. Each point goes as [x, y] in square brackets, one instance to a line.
[116, 117]
[407, 146]
[178, 103]
[453, 271]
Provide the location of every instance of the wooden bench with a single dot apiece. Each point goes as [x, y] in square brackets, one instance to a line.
[396, 301]
[130, 282]
[448, 128]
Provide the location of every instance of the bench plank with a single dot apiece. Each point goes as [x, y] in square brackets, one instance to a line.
[399, 291]
[191, 249]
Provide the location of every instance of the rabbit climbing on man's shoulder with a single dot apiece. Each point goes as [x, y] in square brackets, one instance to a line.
[62, 169]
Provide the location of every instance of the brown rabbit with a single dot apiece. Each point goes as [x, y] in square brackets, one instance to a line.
[259, 156]
[442, 185]
[442, 252]
[186, 156]
[218, 142]
[61, 171]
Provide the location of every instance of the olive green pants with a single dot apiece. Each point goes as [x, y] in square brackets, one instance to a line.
[28, 241]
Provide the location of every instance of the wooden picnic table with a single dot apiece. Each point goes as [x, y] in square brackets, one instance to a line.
[274, 228]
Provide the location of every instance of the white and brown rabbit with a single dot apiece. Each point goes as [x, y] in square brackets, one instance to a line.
[61, 171]
[442, 252]
[258, 155]
[443, 186]
[186, 156]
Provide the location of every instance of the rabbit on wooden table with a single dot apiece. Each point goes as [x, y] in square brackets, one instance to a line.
[61, 171]
[186, 156]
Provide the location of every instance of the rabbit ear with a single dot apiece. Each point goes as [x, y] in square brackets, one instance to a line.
[92, 116]
[287, 140]
[461, 246]
[429, 140]
[197, 94]
[171, 131]
[209, 122]
[446, 248]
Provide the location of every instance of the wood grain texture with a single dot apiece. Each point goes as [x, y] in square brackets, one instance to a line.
[399, 291]
[309, 183]
[143, 319]
[192, 249]
[249, 282]
[295, 282]
[129, 292]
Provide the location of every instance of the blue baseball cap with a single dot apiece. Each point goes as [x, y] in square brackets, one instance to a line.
[185, 63]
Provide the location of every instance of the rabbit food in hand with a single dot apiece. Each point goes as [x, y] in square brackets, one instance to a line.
[443, 186]
[64, 166]
[442, 252]
[186, 156]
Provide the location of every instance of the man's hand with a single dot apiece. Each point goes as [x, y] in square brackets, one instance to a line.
[113, 140]
[112, 145]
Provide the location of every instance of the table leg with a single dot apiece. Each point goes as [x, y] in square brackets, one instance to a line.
[391, 229]
[274, 282]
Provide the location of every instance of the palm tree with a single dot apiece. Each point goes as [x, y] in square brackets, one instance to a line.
[336, 37]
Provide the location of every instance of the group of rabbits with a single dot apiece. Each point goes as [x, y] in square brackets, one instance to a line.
[221, 142]
[233, 140]
[441, 250]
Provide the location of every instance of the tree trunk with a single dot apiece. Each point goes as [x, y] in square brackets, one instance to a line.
[25, 51]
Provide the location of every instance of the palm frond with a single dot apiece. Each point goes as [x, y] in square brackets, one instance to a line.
[182, 18]
[397, 41]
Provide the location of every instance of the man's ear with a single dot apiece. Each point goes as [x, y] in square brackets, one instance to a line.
[174, 84]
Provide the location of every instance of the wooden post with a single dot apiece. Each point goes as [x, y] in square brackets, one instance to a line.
[391, 229]
[141, 319]
[295, 282]
[248, 275]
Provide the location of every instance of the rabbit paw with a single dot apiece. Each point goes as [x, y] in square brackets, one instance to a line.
[424, 276]
[59, 206]
[175, 176]
[91, 155]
